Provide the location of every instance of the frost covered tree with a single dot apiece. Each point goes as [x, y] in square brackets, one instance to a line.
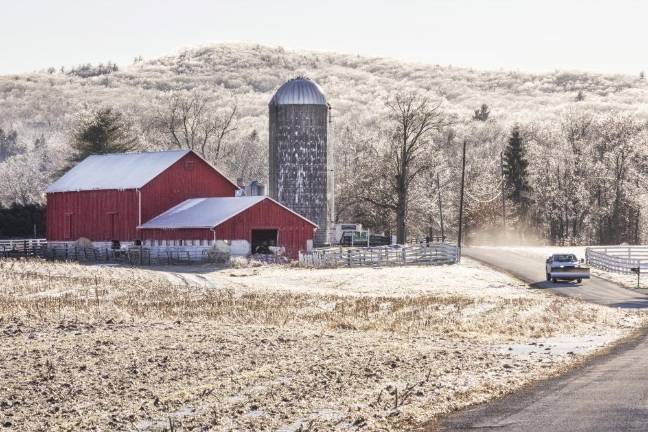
[482, 113]
[361, 195]
[22, 180]
[406, 154]
[8, 144]
[248, 157]
[191, 121]
[593, 192]
[101, 132]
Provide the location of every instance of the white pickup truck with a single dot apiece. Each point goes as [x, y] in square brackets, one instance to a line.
[566, 267]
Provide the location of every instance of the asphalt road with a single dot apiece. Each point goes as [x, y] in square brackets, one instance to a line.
[610, 393]
[532, 271]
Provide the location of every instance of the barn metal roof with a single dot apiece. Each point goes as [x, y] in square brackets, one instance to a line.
[116, 171]
[299, 91]
[207, 212]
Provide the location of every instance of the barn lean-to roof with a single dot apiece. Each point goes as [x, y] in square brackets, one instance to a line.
[208, 212]
[119, 171]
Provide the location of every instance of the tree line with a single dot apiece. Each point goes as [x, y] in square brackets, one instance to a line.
[579, 179]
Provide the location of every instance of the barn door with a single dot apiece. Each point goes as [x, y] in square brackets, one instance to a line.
[114, 226]
[263, 239]
[67, 226]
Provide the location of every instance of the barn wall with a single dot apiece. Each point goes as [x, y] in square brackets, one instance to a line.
[91, 215]
[293, 231]
[189, 177]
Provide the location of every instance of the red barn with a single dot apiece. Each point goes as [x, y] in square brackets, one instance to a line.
[169, 196]
[105, 197]
[259, 220]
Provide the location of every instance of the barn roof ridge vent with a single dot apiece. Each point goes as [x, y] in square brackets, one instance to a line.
[183, 151]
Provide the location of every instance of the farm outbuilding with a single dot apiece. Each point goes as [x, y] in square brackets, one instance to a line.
[261, 221]
[105, 197]
[166, 199]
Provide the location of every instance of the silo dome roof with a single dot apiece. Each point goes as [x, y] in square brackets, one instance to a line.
[299, 91]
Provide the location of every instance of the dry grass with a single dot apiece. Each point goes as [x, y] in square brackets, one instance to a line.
[123, 349]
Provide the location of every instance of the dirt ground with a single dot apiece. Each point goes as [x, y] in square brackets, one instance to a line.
[275, 348]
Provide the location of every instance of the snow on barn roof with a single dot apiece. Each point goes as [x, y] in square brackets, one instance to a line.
[117, 171]
[207, 212]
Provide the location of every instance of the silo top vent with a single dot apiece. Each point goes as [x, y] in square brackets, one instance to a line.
[299, 91]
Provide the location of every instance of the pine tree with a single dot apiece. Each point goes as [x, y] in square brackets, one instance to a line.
[515, 172]
[104, 132]
[580, 97]
[8, 144]
[482, 113]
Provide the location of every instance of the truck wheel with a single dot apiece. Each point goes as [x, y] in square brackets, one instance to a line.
[554, 280]
[579, 280]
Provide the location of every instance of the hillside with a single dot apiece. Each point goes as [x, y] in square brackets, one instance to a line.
[42, 108]
[356, 87]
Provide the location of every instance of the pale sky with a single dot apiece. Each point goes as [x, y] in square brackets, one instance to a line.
[522, 35]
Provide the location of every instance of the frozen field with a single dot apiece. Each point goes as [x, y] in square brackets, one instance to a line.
[275, 348]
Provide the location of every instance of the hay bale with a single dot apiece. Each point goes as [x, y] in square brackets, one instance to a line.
[83, 243]
[219, 253]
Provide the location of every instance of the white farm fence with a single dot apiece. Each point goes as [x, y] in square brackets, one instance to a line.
[133, 255]
[21, 247]
[422, 254]
[618, 259]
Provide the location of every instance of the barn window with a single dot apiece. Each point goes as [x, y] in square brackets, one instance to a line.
[189, 165]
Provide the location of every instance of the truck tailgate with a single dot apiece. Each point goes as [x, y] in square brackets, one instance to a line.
[571, 273]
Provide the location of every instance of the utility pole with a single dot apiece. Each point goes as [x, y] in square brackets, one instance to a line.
[503, 194]
[330, 184]
[440, 207]
[461, 196]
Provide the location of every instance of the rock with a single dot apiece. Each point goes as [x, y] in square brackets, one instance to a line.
[359, 422]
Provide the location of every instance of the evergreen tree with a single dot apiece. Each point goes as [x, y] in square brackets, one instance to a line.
[8, 144]
[580, 96]
[482, 113]
[515, 172]
[106, 131]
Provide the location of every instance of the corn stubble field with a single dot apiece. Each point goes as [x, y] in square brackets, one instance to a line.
[107, 348]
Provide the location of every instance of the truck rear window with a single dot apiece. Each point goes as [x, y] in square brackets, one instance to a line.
[564, 258]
